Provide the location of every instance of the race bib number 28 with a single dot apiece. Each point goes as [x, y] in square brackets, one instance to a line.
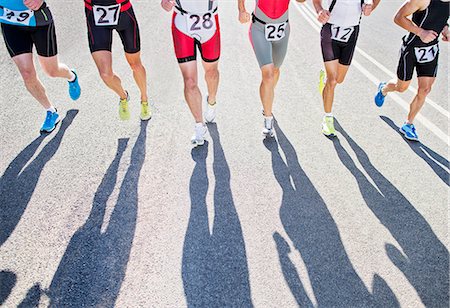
[275, 32]
[199, 23]
[106, 15]
[341, 34]
[17, 17]
[426, 54]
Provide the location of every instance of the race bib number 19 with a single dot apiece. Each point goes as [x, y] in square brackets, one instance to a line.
[341, 34]
[17, 17]
[275, 32]
[106, 15]
[426, 54]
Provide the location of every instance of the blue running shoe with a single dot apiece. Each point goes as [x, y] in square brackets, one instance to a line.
[50, 122]
[74, 88]
[379, 98]
[409, 131]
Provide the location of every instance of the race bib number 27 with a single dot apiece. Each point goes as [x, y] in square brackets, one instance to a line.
[17, 17]
[275, 32]
[106, 15]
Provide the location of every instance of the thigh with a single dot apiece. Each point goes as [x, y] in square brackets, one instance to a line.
[184, 45]
[425, 82]
[129, 32]
[100, 38]
[25, 64]
[44, 39]
[279, 48]
[347, 50]
[189, 71]
[330, 49]
[18, 40]
[406, 65]
[262, 48]
[342, 72]
[210, 66]
[428, 69]
[210, 50]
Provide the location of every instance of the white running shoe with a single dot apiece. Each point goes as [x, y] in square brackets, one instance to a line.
[199, 136]
[268, 130]
[210, 114]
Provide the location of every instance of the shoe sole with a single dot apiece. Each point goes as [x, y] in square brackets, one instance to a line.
[196, 143]
[406, 137]
[145, 119]
[329, 135]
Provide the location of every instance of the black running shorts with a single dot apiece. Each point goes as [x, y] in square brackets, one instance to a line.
[100, 37]
[20, 39]
[338, 43]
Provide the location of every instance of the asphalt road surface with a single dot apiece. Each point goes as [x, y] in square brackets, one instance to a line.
[108, 213]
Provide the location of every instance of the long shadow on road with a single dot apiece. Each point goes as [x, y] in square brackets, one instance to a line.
[314, 233]
[93, 267]
[433, 159]
[424, 260]
[19, 181]
[214, 269]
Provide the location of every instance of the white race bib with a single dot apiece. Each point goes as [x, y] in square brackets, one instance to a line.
[17, 17]
[198, 24]
[426, 54]
[275, 32]
[341, 34]
[106, 15]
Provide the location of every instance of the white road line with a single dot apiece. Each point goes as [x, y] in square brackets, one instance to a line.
[383, 68]
[310, 18]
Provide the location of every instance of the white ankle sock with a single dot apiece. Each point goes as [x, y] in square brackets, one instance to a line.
[72, 79]
[51, 109]
[329, 114]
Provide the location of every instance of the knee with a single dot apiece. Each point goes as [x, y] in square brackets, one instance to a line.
[268, 76]
[136, 66]
[212, 73]
[424, 91]
[51, 71]
[402, 88]
[106, 75]
[332, 81]
[28, 75]
[190, 84]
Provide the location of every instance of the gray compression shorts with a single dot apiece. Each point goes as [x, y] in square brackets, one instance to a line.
[268, 52]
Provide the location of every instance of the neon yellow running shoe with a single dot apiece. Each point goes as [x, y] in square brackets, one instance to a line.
[146, 111]
[328, 126]
[321, 81]
[124, 112]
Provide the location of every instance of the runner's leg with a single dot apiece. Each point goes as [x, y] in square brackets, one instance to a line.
[212, 77]
[103, 60]
[332, 69]
[425, 84]
[139, 73]
[191, 91]
[266, 90]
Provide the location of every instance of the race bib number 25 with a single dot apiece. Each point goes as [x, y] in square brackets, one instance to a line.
[341, 34]
[426, 54]
[17, 17]
[106, 15]
[275, 32]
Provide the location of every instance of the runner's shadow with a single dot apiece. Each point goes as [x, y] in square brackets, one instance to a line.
[7, 282]
[424, 260]
[314, 233]
[93, 267]
[433, 159]
[214, 269]
[20, 178]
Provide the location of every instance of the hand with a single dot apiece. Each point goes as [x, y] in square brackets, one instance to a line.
[427, 36]
[244, 17]
[323, 16]
[367, 9]
[33, 4]
[167, 4]
[446, 34]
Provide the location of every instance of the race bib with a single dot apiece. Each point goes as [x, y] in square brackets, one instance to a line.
[201, 23]
[106, 15]
[17, 17]
[275, 32]
[341, 34]
[426, 54]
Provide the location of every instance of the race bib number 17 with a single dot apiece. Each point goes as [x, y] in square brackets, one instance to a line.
[17, 17]
[106, 15]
